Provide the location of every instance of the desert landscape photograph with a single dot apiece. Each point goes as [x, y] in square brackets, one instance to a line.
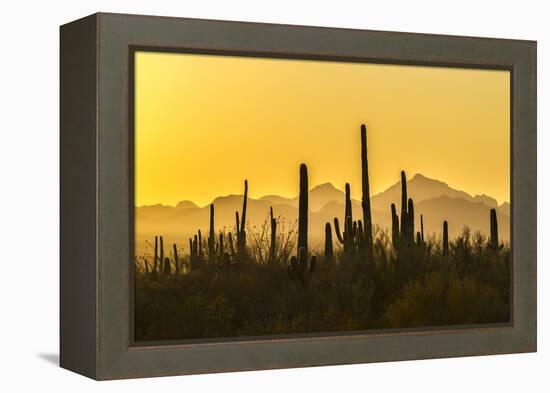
[285, 196]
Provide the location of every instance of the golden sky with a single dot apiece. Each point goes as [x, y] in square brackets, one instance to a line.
[204, 123]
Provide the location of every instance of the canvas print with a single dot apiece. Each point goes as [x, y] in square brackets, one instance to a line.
[278, 197]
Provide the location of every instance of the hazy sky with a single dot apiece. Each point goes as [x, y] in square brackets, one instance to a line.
[205, 123]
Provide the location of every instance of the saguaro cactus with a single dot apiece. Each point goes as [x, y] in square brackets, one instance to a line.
[241, 232]
[193, 251]
[299, 269]
[365, 199]
[199, 246]
[347, 237]
[394, 226]
[303, 209]
[176, 261]
[167, 269]
[422, 228]
[329, 250]
[230, 243]
[155, 262]
[161, 258]
[494, 229]
[410, 221]
[273, 244]
[445, 238]
[404, 224]
[211, 237]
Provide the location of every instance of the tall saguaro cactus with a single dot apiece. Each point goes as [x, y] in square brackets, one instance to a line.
[404, 224]
[273, 244]
[199, 246]
[303, 209]
[176, 261]
[365, 198]
[347, 237]
[211, 237]
[241, 232]
[394, 226]
[161, 258]
[329, 250]
[422, 228]
[410, 221]
[445, 238]
[494, 229]
[155, 262]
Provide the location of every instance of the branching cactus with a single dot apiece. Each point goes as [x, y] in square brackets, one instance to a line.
[347, 238]
[494, 229]
[299, 270]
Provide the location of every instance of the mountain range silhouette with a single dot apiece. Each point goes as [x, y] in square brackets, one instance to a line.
[434, 199]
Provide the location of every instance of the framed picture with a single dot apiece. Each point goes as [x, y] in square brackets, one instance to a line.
[242, 196]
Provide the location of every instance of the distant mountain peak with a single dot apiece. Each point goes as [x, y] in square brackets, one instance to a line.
[324, 187]
[420, 178]
[181, 205]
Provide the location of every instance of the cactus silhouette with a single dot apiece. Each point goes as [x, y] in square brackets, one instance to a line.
[221, 246]
[329, 250]
[211, 237]
[494, 229]
[404, 224]
[156, 255]
[365, 199]
[352, 238]
[395, 234]
[199, 246]
[303, 209]
[299, 270]
[241, 232]
[422, 228]
[410, 221]
[445, 238]
[230, 243]
[167, 268]
[161, 257]
[272, 245]
[176, 261]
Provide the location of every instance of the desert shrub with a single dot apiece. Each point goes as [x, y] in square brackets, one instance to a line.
[405, 287]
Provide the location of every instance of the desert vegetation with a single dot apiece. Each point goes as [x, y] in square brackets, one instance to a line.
[265, 280]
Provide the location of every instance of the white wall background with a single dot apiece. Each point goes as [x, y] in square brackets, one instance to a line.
[29, 196]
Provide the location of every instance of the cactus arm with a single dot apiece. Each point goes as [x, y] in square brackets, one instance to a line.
[337, 231]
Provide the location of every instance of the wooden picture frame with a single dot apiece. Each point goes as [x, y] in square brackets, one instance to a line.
[97, 195]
